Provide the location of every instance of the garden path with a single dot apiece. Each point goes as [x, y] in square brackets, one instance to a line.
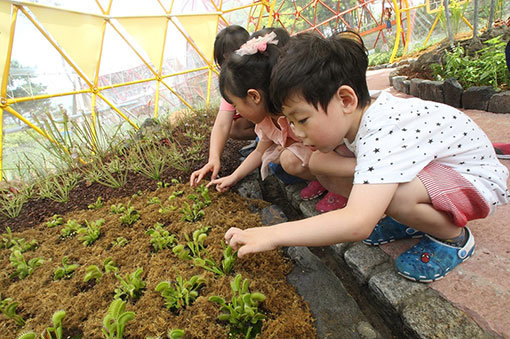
[479, 286]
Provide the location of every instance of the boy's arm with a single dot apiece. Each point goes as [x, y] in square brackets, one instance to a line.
[331, 164]
[366, 205]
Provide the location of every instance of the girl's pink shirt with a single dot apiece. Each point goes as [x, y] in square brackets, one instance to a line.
[283, 138]
[225, 106]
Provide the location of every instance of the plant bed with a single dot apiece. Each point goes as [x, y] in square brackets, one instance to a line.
[39, 295]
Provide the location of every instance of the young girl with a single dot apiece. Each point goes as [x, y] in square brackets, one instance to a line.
[425, 164]
[228, 123]
[244, 82]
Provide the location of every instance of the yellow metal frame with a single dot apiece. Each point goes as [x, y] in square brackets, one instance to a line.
[93, 88]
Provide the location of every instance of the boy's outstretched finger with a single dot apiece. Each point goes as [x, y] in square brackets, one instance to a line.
[232, 235]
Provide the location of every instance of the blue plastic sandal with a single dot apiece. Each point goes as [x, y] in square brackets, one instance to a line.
[430, 259]
[388, 230]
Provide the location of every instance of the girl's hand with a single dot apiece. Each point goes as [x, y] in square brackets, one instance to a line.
[223, 184]
[198, 175]
[251, 240]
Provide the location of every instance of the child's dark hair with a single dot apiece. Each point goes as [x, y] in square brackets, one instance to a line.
[227, 41]
[315, 67]
[251, 71]
[281, 34]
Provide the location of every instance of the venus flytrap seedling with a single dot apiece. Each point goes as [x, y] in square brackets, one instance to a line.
[154, 201]
[192, 213]
[119, 242]
[55, 220]
[181, 293]
[17, 243]
[23, 269]
[116, 319]
[242, 312]
[162, 184]
[175, 333]
[132, 286]
[181, 252]
[94, 272]
[70, 229]
[117, 209]
[160, 238]
[64, 271]
[8, 308]
[196, 243]
[57, 328]
[96, 205]
[204, 192]
[129, 216]
[91, 232]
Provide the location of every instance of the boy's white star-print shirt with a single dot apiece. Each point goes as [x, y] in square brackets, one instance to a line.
[398, 137]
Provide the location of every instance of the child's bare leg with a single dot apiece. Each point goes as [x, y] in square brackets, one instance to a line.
[332, 164]
[293, 166]
[412, 207]
[242, 129]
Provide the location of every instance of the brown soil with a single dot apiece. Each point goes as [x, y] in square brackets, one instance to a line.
[86, 304]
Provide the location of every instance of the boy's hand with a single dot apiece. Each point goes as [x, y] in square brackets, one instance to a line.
[251, 240]
[223, 184]
[198, 175]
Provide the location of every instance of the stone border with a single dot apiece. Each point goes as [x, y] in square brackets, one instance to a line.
[411, 309]
[450, 92]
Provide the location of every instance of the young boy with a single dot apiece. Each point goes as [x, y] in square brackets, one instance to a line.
[425, 164]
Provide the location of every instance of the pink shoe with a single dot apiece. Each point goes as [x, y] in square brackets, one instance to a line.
[330, 202]
[312, 191]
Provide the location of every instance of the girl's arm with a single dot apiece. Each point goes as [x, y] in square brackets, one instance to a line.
[219, 136]
[252, 161]
[366, 205]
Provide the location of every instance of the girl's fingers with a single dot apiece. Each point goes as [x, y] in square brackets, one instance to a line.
[233, 237]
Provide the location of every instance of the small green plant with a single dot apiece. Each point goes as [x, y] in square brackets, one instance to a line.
[11, 204]
[130, 216]
[56, 331]
[160, 238]
[8, 308]
[116, 319]
[55, 220]
[162, 184]
[242, 313]
[175, 333]
[96, 205]
[9, 241]
[204, 192]
[175, 194]
[70, 229]
[132, 285]
[117, 209]
[91, 232]
[154, 201]
[181, 293]
[119, 242]
[194, 212]
[94, 272]
[23, 268]
[64, 271]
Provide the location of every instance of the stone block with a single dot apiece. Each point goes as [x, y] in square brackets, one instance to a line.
[307, 207]
[431, 90]
[452, 92]
[414, 87]
[391, 289]
[364, 260]
[500, 102]
[336, 313]
[340, 248]
[249, 187]
[272, 215]
[477, 97]
[398, 83]
[431, 316]
[406, 84]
